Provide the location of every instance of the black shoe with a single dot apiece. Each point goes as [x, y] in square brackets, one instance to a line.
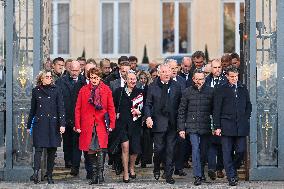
[164, 175]
[132, 176]
[125, 181]
[203, 178]
[170, 180]
[232, 182]
[34, 177]
[68, 165]
[180, 173]
[50, 180]
[89, 175]
[74, 171]
[156, 174]
[118, 169]
[143, 165]
[212, 174]
[94, 180]
[186, 165]
[197, 181]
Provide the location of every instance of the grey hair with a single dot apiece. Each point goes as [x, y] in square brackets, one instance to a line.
[166, 64]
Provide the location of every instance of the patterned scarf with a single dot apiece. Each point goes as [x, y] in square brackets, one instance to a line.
[95, 98]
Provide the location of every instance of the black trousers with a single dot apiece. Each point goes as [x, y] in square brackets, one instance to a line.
[232, 161]
[68, 144]
[164, 142]
[181, 151]
[50, 158]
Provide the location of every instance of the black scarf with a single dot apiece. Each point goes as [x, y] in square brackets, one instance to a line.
[165, 107]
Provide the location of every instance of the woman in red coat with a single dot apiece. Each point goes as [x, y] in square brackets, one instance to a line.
[94, 106]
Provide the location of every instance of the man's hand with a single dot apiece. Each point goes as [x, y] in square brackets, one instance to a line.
[182, 134]
[149, 122]
[62, 130]
[218, 132]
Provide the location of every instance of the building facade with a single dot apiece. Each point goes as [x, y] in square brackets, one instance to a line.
[111, 28]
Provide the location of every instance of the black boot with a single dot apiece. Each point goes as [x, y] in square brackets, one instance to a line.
[93, 160]
[50, 179]
[100, 166]
[34, 177]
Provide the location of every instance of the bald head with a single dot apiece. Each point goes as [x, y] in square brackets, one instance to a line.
[75, 69]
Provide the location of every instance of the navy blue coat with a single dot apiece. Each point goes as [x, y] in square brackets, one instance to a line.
[47, 109]
[222, 80]
[70, 93]
[153, 106]
[232, 110]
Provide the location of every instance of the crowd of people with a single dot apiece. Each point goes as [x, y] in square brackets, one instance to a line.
[169, 115]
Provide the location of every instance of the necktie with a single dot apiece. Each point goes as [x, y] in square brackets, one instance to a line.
[216, 81]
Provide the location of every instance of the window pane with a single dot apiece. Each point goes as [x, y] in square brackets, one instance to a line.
[107, 28]
[63, 29]
[229, 27]
[168, 28]
[184, 27]
[124, 28]
[51, 30]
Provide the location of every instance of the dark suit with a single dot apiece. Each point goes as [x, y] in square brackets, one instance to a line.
[113, 76]
[215, 147]
[164, 127]
[115, 84]
[232, 110]
[187, 77]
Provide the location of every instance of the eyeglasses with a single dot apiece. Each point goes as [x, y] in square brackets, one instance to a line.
[48, 77]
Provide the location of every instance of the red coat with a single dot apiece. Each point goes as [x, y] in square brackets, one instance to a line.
[86, 115]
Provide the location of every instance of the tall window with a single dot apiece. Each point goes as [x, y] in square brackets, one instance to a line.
[176, 28]
[60, 28]
[233, 15]
[115, 27]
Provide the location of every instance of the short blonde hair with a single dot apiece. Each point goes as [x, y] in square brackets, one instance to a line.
[40, 75]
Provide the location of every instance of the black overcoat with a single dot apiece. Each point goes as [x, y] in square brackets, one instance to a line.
[47, 109]
[232, 110]
[153, 106]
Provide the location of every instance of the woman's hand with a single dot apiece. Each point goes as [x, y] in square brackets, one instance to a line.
[78, 130]
[135, 111]
[62, 130]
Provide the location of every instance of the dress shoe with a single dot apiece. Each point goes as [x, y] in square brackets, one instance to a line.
[143, 165]
[74, 171]
[132, 176]
[164, 175]
[220, 174]
[186, 165]
[156, 174]
[203, 178]
[211, 174]
[232, 182]
[197, 181]
[170, 180]
[34, 177]
[68, 165]
[49, 179]
[89, 175]
[180, 173]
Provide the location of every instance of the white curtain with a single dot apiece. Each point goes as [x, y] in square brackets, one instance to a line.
[107, 28]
